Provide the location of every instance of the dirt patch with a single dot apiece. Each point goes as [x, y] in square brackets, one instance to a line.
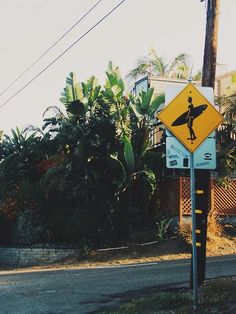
[221, 246]
[164, 250]
[170, 249]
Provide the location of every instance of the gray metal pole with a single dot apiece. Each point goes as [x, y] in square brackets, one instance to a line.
[194, 247]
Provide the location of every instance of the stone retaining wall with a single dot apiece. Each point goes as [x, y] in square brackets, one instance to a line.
[34, 256]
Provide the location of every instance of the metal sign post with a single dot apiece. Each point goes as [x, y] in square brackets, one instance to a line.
[192, 118]
[194, 246]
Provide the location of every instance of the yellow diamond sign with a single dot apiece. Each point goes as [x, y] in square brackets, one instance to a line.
[190, 117]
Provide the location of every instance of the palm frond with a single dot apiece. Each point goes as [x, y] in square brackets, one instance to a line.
[34, 129]
[159, 67]
[179, 67]
[153, 54]
[142, 67]
[197, 76]
[56, 111]
[114, 79]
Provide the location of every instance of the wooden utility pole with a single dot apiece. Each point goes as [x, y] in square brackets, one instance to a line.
[211, 41]
[202, 177]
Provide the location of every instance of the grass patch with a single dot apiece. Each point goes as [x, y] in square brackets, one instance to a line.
[163, 301]
[215, 296]
[219, 294]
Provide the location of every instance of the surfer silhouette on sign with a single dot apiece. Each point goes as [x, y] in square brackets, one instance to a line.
[190, 118]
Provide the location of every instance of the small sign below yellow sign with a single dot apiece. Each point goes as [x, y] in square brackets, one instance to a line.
[190, 117]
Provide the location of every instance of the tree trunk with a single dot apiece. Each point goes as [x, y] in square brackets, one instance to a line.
[211, 40]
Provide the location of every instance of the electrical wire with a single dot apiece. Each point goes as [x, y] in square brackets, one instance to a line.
[50, 48]
[62, 54]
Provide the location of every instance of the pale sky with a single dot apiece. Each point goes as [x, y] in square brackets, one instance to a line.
[29, 27]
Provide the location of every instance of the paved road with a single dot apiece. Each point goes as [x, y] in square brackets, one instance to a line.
[87, 290]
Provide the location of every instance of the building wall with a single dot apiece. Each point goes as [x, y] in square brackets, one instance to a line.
[160, 84]
[225, 84]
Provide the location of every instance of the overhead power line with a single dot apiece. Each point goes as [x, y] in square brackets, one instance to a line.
[50, 48]
[62, 54]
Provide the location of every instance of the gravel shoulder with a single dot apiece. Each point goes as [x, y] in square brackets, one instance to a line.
[171, 249]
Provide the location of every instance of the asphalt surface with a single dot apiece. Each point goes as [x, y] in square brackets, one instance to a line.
[88, 290]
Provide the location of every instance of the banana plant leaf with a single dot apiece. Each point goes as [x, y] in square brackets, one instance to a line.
[118, 172]
[160, 99]
[76, 107]
[128, 152]
[146, 98]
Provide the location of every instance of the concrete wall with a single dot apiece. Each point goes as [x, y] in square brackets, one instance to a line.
[35, 256]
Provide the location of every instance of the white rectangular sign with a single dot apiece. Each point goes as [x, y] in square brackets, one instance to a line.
[178, 157]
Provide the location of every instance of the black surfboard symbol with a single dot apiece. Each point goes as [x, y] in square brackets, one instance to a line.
[183, 118]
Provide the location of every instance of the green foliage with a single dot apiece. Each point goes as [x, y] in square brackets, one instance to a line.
[224, 182]
[128, 152]
[163, 225]
[227, 167]
[72, 91]
[225, 139]
[231, 159]
[30, 228]
[163, 302]
[197, 76]
[29, 194]
[5, 229]
[92, 165]
[218, 294]
[157, 66]
[19, 155]
[228, 105]
[146, 104]
[114, 82]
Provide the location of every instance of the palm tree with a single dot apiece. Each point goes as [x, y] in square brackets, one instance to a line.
[156, 66]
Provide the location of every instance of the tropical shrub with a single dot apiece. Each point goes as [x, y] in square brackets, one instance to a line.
[163, 226]
[93, 165]
[225, 138]
[19, 177]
